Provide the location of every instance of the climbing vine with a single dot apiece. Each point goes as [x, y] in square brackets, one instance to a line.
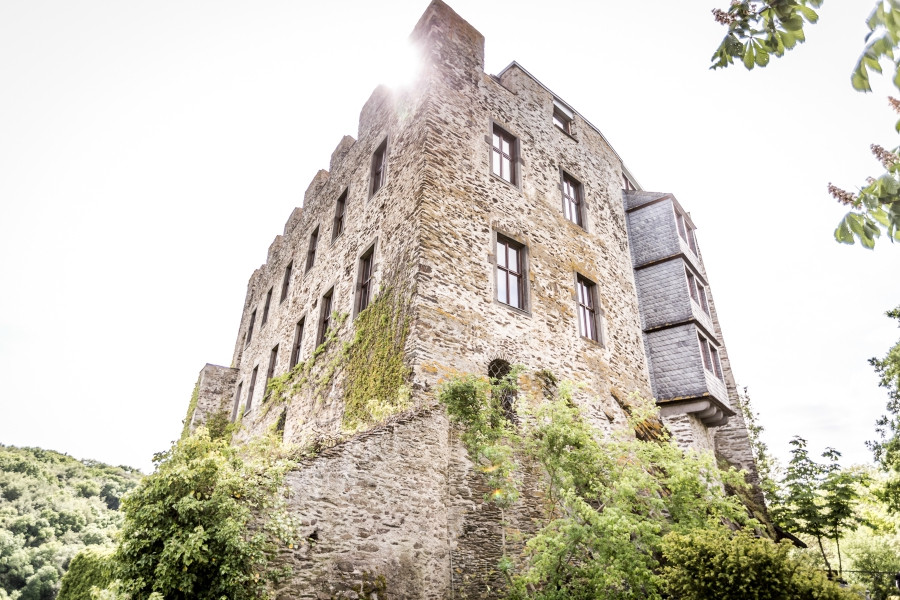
[375, 370]
[372, 363]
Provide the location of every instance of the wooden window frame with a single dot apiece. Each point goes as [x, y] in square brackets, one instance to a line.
[710, 356]
[378, 176]
[340, 210]
[266, 307]
[686, 231]
[573, 199]
[365, 279]
[298, 342]
[237, 401]
[286, 282]
[250, 327]
[499, 135]
[563, 117]
[250, 391]
[697, 290]
[325, 311]
[273, 362]
[311, 251]
[504, 273]
[587, 307]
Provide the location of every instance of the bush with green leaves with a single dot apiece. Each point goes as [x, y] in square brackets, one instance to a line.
[205, 524]
[609, 500]
[51, 507]
[726, 565]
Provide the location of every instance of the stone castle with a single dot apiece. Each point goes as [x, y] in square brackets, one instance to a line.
[485, 223]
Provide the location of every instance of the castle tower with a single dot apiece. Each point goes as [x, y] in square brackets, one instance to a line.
[475, 222]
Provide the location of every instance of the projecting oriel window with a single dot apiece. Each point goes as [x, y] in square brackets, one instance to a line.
[286, 283]
[686, 231]
[698, 291]
[510, 272]
[298, 340]
[364, 284]
[504, 155]
[268, 303]
[311, 252]
[587, 308]
[340, 208]
[710, 357]
[325, 316]
[573, 194]
[379, 168]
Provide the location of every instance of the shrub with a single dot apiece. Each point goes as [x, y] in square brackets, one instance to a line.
[737, 566]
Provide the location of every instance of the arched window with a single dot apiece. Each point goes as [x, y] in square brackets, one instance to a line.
[498, 370]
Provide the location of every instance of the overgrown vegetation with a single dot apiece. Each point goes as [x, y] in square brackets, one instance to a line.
[195, 527]
[371, 363]
[612, 505]
[375, 370]
[51, 507]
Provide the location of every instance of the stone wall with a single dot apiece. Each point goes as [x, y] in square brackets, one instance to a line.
[400, 504]
[215, 392]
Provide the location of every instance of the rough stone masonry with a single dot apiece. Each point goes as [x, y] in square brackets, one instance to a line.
[512, 234]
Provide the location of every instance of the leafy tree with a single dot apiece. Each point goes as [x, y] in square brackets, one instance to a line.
[819, 499]
[205, 523]
[758, 29]
[887, 448]
[51, 507]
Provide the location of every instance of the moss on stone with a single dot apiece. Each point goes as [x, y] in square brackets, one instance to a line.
[375, 371]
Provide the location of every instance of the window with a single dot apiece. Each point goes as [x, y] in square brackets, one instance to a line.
[626, 183]
[686, 231]
[379, 168]
[498, 371]
[563, 116]
[252, 387]
[572, 199]
[325, 316]
[504, 154]
[510, 272]
[364, 286]
[298, 340]
[237, 402]
[587, 308]
[273, 360]
[268, 303]
[250, 328]
[286, 284]
[339, 208]
[311, 253]
[710, 357]
[698, 291]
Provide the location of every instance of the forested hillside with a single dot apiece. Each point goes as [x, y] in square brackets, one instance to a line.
[52, 506]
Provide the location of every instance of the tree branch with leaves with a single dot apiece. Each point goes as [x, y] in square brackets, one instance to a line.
[758, 30]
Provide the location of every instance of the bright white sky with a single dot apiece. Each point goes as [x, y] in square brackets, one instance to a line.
[151, 151]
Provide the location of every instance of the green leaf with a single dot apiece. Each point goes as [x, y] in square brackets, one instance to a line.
[793, 23]
[860, 80]
[748, 56]
[762, 57]
[842, 233]
[811, 15]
